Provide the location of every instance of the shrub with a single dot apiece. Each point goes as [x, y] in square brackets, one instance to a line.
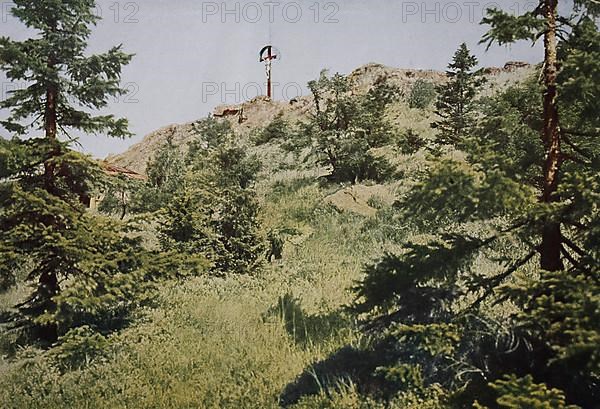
[422, 94]
[277, 130]
[79, 347]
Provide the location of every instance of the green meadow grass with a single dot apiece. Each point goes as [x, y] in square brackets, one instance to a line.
[231, 342]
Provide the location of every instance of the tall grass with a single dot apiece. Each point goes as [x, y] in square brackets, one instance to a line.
[221, 343]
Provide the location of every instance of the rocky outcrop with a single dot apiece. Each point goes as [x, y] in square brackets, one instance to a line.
[260, 111]
[137, 156]
[363, 78]
[515, 65]
[114, 170]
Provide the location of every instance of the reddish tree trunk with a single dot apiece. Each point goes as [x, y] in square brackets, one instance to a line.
[551, 234]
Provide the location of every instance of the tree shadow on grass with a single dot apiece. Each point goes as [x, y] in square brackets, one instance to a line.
[304, 328]
[348, 364]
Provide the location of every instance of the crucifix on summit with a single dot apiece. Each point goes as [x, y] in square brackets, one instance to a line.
[267, 55]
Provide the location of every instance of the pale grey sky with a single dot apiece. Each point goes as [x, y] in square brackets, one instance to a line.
[192, 55]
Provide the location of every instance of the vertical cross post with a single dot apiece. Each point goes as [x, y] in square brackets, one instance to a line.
[269, 72]
[267, 56]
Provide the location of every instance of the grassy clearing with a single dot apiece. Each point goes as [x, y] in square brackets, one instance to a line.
[222, 343]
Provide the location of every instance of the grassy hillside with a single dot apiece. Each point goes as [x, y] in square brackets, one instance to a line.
[222, 343]
[237, 341]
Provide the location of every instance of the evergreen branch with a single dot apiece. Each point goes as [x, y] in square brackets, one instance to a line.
[495, 237]
[593, 134]
[493, 282]
[569, 257]
[578, 225]
[577, 265]
[575, 147]
[573, 246]
[567, 156]
[565, 21]
[71, 139]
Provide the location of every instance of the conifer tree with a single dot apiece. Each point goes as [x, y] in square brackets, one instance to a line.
[45, 185]
[345, 127]
[455, 102]
[521, 202]
[214, 211]
[545, 22]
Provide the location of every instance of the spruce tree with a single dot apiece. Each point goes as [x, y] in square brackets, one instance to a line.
[455, 101]
[214, 211]
[497, 300]
[45, 185]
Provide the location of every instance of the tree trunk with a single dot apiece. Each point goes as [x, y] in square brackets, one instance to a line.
[48, 286]
[551, 234]
[50, 128]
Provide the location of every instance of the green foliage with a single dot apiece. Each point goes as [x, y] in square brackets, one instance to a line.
[432, 305]
[578, 93]
[214, 210]
[561, 316]
[84, 269]
[436, 339]
[455, 101]
[212, 133]
[443, 312]
[507, 28]
[165, 172]
[422, 94]
[459, 191]
[54, 63]
[117, 193]
[410, 142]
[406, 376]
[523, 393]
[278, 130]
[516, 111]
[345, 128]
[407, 283]
[79, 347]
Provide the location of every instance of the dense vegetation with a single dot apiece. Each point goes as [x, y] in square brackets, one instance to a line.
[230, 277]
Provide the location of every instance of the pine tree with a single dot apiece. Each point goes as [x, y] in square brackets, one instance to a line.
[524, 204]
[343, 130]
[214, 212]
[45, 184]
[544, 21]
[455, 102]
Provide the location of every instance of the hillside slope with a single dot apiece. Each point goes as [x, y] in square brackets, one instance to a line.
[239, 341]
[259, 111]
